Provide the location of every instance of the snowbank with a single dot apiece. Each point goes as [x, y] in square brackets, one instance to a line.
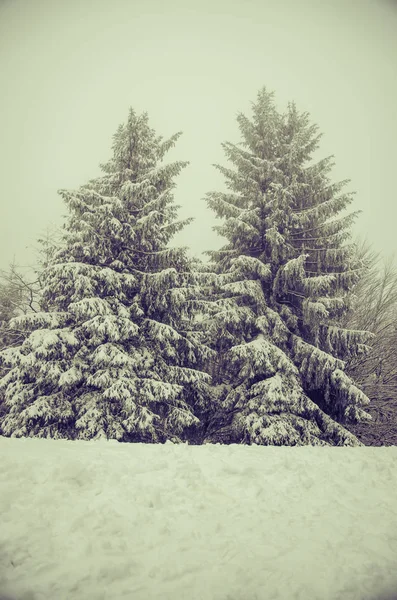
[95, 520]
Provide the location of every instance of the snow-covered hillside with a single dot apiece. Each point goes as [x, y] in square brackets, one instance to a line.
[92, 520]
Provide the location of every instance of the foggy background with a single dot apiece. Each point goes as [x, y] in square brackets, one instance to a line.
[71, 69]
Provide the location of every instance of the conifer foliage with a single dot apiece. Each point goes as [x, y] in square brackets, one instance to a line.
[286, 274]
[113, 353]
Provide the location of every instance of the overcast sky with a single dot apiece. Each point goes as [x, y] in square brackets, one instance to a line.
[70, 69]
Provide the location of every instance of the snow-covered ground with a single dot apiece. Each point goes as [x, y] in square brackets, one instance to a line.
[92, 520]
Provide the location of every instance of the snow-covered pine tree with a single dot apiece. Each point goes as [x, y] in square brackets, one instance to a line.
[286, 274]
[113, 353]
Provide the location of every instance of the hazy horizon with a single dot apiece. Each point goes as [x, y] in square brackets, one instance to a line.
[70, 75]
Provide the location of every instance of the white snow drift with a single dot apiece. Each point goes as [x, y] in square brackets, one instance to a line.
[95, 520]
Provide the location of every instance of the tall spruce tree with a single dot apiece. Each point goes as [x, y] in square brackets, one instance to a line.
[113, 352]
[285, 280]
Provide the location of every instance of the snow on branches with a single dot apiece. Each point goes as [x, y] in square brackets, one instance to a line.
[115, 352]
[289, 272]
